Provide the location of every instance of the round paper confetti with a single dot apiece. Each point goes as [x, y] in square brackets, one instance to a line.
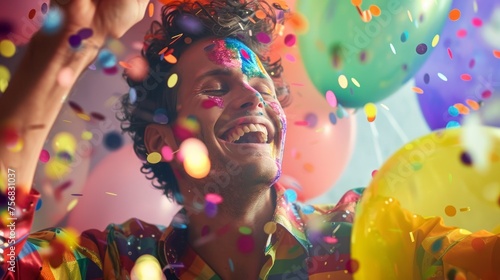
[477, 22]
[245, 230]
[113, 140]
[331, 99]
[270, 227]
[450, 211]
[290, 40]
[44, 8]
[154, 158]
[64, 142]
[421, 49]
[427, 78]
[263, 38]
[465, 77]
[332, 117]
[452, 124]
[44, 156]
[418, 90]
[435, 40]
[375, 10]
[486, 94]
[32, 14]
[85, 33]
[245, 244]
[4, 78]
[461, 33]
[370, 111]
[38, 204]
[213, 198]
[496, 53]
[106, 58]
[453, 111]
[290, 195]
[454, 14]
[343, 82]
[53, 21]
[167, 153]
[307, 209]
[7, 48]
[172, 80]
[311, 120]
[132, 95]
[75, 41]
[87, 135]
[442, 77]
[260, 14]
[355, 82]
[404, 36]
[466, 159]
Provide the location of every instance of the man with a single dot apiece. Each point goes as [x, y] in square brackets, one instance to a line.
[237, 223]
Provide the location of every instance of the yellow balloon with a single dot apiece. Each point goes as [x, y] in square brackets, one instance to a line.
[430, 180]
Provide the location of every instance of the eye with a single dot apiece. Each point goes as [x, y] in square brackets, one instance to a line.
[220, 91]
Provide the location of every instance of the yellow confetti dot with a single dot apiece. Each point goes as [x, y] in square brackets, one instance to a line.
[450, 211]
[64, 142]
[147, 267]
[355, 82]
[270, 227]
[87, 135]
[83, 116]
[172, 80]
[154, 158]
[343, 82]
[17, 147]
[56, 169]
[7, 48]
[370, 111]
[4, 78]
[72, 204]
[435, 40]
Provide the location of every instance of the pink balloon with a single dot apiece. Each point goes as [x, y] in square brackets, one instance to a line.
[116, 191]
[316, 150]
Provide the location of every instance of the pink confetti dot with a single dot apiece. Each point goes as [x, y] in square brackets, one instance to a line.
[486, 94]
[290, 57]
[245, 244]
[167, 153]
[244, 54]
[466, 77]
[331, 99]
[477, 22]
[263, 38]
[461, 33]
[290, 40]
[213, 198]
[330, 239]
[44, 156]
[450, 53]
[374, 172]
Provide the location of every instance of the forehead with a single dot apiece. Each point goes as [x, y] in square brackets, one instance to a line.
[226, 52]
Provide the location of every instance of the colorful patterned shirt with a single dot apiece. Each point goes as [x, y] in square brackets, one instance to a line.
[309, 242]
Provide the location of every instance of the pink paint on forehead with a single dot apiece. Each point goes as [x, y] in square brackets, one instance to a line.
[219, 54]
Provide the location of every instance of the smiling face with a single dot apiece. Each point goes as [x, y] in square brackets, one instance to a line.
[224, 85]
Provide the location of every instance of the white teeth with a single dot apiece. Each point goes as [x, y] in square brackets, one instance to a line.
[237, 132]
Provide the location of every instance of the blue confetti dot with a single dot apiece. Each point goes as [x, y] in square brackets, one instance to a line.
[85, 33]
[75, 41]
[436, 246]
[427, 78]
[179, 197]
[113, 140]
[452, 124]
[210, 209]
[44, 8]
[38, 204]
[290, 196]
[341, 113]
[333, 118]
[132, 95]
[453, 111]
[231, 265]
[106, 58]
[404, 36]
[160, 116]
[53, 21]
[307, 209]
[311, 119]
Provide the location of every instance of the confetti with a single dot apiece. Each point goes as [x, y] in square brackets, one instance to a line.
[486, 94]
[290, 196]
[331, 98]
[454, 14]
[465, 77]
[496, 53]
[106, 58]
[450, 211]
[290, 40]
[404, 36]
[97, 116]
[450, 53]
[421, 49]
[4, 78]
[392, 48]
[75, 41]
[375, 10]
[442, 77]
[307, 209]
[72, 204]
[44, 156]
[151, 9]
[170, 58]
[435, 40]
[333, 118]
[7, 48]
[38, 204]
[343, 82]
[452, 124]
[110, 193]
[167, 153]
[260, 14]
[32, 14]
[53, 21]
[263, 38]
[213, 198]
[418, 90]
[197, 165]
[453, 111]
[85, 33]
[245, 244]
[461, 33]
[245, 230]
[132, 95]
[172, 80]
[231, 265]
[352, 266]
[466, 159]
[44, 8]
[437, 245]
[113, 140]
[478, 244]
[370, 111]
[472, 104]
[330, 239]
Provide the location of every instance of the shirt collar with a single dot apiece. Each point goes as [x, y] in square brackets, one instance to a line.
[173, 244]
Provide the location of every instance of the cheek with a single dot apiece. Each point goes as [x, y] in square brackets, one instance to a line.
[213, 101]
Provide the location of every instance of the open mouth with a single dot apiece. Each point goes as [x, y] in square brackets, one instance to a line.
[247, 133]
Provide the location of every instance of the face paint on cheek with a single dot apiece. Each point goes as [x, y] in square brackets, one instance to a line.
[283, 126]
[212, 102]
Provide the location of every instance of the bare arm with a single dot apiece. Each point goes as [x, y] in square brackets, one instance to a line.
[34, 96]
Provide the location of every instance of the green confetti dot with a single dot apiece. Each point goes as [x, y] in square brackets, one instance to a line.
[245, 230]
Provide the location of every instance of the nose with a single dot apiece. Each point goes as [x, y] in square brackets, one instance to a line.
[250, 98]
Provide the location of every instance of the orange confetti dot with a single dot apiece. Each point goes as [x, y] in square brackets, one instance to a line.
[260, 14]
[450, 210]
[454, 14]
[125, 65]
[477, 244]
[356, 2]
[170, 59]
[466, 77]
[496, 53]
[473, 104]
[462, 109]
[151, 9]
[309, 167]
[298, 22]
[418, 90]
[375, 10]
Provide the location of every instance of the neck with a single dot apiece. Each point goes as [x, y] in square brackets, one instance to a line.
[216, 238]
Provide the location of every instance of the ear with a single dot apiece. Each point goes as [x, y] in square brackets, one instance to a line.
[158, 135]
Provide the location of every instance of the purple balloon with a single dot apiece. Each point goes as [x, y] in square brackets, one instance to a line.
[465, 51]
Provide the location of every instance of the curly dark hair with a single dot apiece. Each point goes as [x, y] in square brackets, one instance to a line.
[182, 23]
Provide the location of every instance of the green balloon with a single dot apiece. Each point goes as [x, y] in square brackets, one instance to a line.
[366, 61]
